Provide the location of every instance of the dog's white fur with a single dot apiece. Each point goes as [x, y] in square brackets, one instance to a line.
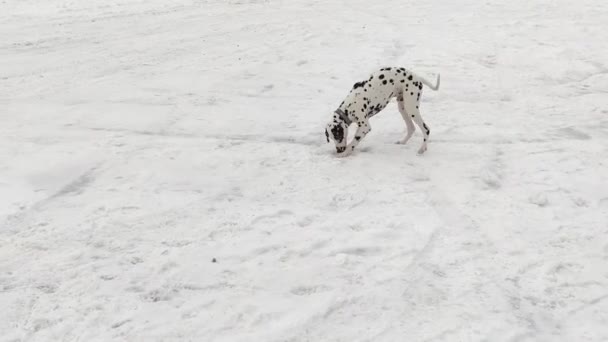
[369, 97]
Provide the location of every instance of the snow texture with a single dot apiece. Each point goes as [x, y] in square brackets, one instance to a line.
[164, 174]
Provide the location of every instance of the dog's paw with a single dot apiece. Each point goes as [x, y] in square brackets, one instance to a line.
[421, 150]
[344, 154]
[403, 141]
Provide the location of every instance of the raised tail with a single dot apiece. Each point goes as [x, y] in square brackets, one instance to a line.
[437, 82]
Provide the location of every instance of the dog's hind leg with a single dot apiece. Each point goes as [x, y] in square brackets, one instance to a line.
[411, 108]
[408, 121]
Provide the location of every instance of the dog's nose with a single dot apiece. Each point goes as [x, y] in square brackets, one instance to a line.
[340, 149]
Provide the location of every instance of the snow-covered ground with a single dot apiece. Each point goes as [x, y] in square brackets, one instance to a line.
[140, 141]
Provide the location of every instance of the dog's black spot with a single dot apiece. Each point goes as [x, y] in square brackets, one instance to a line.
[420, 86]
[381, 77]
[326, 135]
[416, 107]
[358, 138]
[364, 106]
[402, 69]
[413, 116]
[359, 84]
[410, 78]
[391, 80]
[416, 84]
[402, 81]
[412, 93]
[388, 69]
[425, 139]
[428, 131]
[384, 82]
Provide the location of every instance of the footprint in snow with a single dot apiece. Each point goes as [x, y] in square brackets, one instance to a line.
[306, 221]
[277, 215]
[539, 199]
[572, 133]
[358, 251]
[267, 88]
[309, 290]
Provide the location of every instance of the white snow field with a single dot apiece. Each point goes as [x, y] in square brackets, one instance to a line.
[164, 174]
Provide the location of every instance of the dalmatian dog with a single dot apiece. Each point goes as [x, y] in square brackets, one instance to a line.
[367, 98]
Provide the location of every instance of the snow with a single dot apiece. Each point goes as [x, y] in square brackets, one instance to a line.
[141, 140]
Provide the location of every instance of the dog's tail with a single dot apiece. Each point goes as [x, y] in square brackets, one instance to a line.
[437, 82]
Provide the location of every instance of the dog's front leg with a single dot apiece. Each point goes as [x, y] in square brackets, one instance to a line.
[363, 128]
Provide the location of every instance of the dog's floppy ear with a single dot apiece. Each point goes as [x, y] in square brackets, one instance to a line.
[326, 135]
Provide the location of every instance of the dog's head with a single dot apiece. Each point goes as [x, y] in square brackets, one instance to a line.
[337, 131]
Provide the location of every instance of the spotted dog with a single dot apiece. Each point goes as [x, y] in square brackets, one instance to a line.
[369, 97]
